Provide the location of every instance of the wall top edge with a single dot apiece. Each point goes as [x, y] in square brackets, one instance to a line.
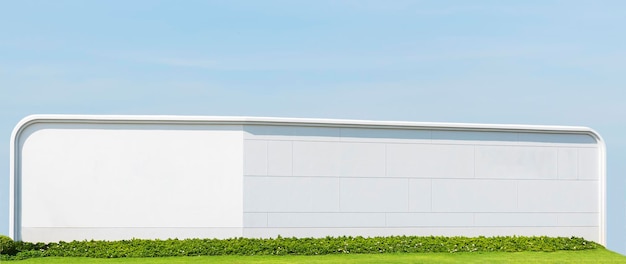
[250, 120]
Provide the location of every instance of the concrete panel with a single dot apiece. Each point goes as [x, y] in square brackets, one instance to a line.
[362, 159]
[288, 194]
[429, 219]
[280, 158]
[568, 163]
[558, 196]
[588, 164]
[255, 157]
[515, 219]
[430, 161]
[333, 220]
[255, 219]
[137, 176]
[316, 159]
[420, 198]
[579, 219]
[474, 196]
[516, 162]
[374, 195]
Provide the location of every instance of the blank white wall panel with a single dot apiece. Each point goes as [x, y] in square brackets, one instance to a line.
[589, 164]
[291, 194]
[558, 196]
[516, 162]
[429, 219]
[280, 158]
[316, 158]
[255, 219]
[456, 195]
[362, 160]
[374, 195]
[420, 195]
[93, 176]
[332, 220]
[118, 177]
[578, 219]
[515, 219]
[567, 166]
[430, 161]
[255, 157]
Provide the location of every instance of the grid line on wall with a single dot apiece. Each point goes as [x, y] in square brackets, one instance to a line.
[420, 178]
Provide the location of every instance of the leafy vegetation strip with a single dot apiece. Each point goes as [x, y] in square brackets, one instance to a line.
[592, 256]
[287, 246]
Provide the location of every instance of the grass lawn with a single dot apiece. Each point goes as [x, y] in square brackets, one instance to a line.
[583, 256]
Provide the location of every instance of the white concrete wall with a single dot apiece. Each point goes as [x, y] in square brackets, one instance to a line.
[119, 177]
[119, 181]
[319, 181]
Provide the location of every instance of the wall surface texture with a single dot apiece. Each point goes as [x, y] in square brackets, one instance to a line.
[319, 181]
[119, 181]
[95, 177]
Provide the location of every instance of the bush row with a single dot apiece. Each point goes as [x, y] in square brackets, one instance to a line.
[287, 246]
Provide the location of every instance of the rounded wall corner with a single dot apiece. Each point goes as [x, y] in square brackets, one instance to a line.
[603, 175]
[23, 124]
[593, 133]
[15, 173]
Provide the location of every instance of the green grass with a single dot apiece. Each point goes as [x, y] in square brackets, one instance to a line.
[582, 256]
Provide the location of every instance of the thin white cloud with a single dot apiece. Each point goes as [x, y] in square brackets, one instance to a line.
[186, 62]
[438, 51]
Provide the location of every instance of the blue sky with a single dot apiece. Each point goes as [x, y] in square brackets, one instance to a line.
[519, 62]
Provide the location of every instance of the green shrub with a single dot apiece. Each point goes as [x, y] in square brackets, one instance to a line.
[293, 246]
[7, 246]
